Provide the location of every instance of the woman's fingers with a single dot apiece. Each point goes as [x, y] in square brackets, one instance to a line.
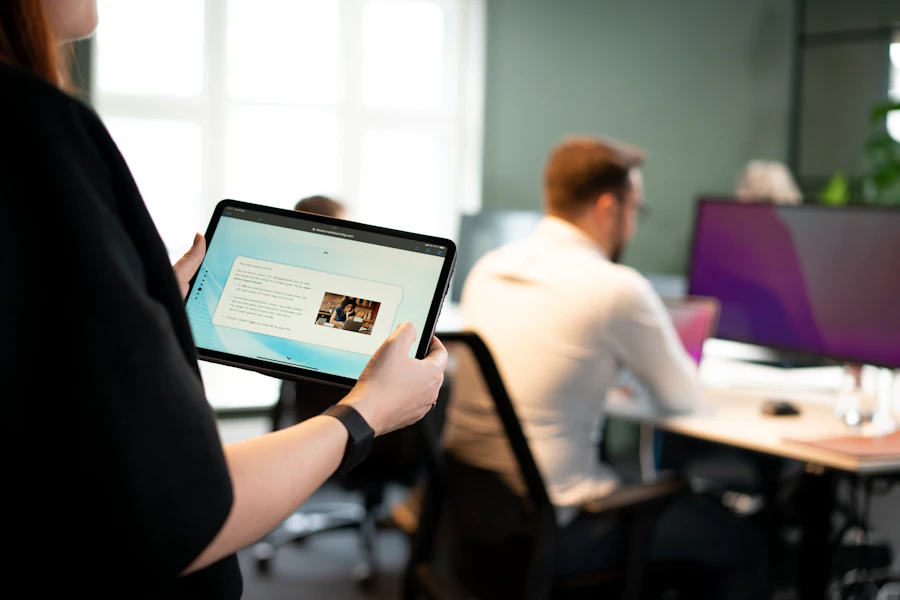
[404, 336]
[188, 264]
[194, 256]
[438, 354]
[396, 390]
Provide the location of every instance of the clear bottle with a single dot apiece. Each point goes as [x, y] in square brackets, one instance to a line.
[883, 422]
[850, 406]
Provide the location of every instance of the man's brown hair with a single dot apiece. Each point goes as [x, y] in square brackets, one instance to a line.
[581, 169]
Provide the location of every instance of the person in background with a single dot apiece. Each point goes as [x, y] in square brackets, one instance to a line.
[767, 181]
[154, 505]
[299, 401]
[593, 194]
[322, 205]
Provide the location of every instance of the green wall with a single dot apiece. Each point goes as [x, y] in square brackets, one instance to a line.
[82, 66]
[703, 85]
[842, 80]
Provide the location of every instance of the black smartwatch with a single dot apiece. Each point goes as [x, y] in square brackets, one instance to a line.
[361, 435]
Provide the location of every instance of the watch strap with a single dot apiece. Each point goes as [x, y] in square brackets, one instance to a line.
[361, 435]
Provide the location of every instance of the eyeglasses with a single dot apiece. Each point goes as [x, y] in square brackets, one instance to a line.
[643, 211]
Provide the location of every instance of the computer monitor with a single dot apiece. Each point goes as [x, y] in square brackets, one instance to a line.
[695, 321]
[806, 279]
[485, 231]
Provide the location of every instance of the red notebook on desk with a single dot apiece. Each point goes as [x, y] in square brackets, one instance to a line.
[859, 447]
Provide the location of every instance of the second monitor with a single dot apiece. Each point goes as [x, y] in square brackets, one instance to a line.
[808, 279]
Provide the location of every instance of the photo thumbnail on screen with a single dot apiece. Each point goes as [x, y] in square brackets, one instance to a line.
[347, 313]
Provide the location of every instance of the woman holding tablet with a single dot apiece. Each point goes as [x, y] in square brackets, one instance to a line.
[155, 506]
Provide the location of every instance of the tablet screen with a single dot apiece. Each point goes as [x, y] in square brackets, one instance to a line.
[300, 293]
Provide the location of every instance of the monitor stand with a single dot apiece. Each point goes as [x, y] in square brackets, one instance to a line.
[787, 360]
[759, 355]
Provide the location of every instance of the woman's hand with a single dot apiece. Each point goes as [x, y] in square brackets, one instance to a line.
[188, 264]
[395, 390]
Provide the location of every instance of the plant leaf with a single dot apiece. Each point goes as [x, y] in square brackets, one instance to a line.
[836, 191]
[881, 110]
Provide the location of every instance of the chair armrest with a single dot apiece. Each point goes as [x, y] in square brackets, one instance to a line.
[636, 497]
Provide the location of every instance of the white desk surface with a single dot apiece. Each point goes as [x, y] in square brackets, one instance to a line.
[729, 413]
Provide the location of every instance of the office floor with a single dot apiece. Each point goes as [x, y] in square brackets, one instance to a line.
[322, 567]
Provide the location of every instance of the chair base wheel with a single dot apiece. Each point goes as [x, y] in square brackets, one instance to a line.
[364, 575]
[263, 566]
[263, 552]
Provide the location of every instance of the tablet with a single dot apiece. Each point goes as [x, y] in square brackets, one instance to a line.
[301, 296]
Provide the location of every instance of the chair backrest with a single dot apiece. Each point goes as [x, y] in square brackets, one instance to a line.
[395, 457]
[486, 493]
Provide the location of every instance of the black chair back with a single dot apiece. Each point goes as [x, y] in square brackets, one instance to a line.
[500, 531]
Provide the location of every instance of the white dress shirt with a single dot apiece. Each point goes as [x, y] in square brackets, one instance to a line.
[561, 321]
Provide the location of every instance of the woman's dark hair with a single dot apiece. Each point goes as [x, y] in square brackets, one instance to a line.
[347, 302]
[27, 41]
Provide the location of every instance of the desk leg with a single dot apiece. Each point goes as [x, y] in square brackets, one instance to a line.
[814, 561]
[648, 454]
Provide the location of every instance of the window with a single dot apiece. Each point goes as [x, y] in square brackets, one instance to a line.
[893, 120]
[377, 102]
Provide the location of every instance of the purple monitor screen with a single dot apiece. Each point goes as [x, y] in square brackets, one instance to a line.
[807, 279]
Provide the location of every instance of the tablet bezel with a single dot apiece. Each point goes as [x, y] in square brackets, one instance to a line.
[291, 373]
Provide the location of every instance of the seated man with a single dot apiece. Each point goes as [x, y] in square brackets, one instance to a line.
[559, 369]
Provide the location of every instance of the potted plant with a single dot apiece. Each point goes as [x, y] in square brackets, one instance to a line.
[881, 183]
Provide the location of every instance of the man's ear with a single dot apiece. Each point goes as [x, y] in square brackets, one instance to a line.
[605, 206]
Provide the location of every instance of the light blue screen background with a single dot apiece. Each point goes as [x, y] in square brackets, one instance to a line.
[416, 274]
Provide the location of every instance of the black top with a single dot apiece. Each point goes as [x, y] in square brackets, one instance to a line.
[113, 476]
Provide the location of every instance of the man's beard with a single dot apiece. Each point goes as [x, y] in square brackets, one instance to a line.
[619, 244]
[618, 251]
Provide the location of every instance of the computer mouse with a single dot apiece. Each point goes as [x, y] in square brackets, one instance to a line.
[779, 408]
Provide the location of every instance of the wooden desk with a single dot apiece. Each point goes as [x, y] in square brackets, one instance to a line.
[733, 418]
[729, 413]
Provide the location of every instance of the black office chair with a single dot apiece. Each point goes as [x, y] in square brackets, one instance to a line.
[478, 538]
[394, 458]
